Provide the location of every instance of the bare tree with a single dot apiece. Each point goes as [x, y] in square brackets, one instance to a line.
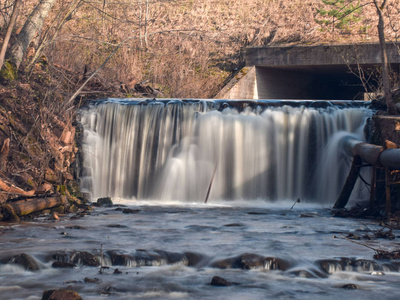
[344, 9]
[10, 28]
[33, 24]
[385, 63]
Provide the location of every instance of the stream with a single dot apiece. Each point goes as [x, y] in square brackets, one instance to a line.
[173, 250]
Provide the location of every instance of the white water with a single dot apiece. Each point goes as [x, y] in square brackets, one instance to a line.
[169, 150]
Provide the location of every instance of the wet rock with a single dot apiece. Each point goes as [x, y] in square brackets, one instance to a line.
[77, 227]
[195, 259]
[85, 258]
[303, 274]
[92, 280]
[349, 286]
[109, 289]
[60, 256]
[61, 294]
[116, 271]
[120, 259]
[334, 265]
[224, 263]
[249, 261]
[25, 260]
[148, 258]
[173, 257]
[106, 201]
[130, 211]
[63, 265]
[234, 225]
[116, 226]
[219, 281]
[275, 263]
[367, 265]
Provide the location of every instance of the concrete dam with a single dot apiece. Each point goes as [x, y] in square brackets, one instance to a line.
[319, 72]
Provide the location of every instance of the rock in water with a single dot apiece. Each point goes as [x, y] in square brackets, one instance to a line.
[106, 201]
[85, 258]
[63, 265]
[350, 286]
[61, 294]
[219, 281]
[25, 260]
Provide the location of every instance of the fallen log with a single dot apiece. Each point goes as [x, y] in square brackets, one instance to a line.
[12, 189]
[28, 206]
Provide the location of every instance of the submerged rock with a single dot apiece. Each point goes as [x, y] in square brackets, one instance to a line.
[61, 294]
[25, 260]
[196, 259]
[92, 280]
[219, 281]
[130, 211]
[249, 261]
[120, 259]
[330, 266]
[63, 265]
[349, 286]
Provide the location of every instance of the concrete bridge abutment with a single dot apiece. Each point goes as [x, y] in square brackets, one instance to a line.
[322, 72]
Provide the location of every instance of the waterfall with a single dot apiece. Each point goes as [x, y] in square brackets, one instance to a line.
[169, 149]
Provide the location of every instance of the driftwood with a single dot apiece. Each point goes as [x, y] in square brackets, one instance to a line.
[386, 156]
[28, 206]
[12, 189]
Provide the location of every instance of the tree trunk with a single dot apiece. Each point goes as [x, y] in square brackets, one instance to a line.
[26, 207]
[32, 25]
[10, 28]
[385, 63]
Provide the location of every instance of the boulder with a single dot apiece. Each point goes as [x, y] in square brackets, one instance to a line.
[61, 294]
[219, 281]
[130, 211]
[105, 201]
[25, 260]
[85, 258]
[196, 259]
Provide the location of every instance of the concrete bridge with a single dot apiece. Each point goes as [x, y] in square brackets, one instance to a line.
[325, 72]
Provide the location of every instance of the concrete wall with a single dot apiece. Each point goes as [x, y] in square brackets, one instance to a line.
[320, 55]
[325, 72]
[242, 86]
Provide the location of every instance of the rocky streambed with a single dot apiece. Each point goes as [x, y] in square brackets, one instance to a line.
[194, 251]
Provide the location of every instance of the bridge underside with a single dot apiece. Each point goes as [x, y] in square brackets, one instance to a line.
[344, 72]
[337, 82]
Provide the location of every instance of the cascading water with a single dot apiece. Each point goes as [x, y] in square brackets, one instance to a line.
[169, 149]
